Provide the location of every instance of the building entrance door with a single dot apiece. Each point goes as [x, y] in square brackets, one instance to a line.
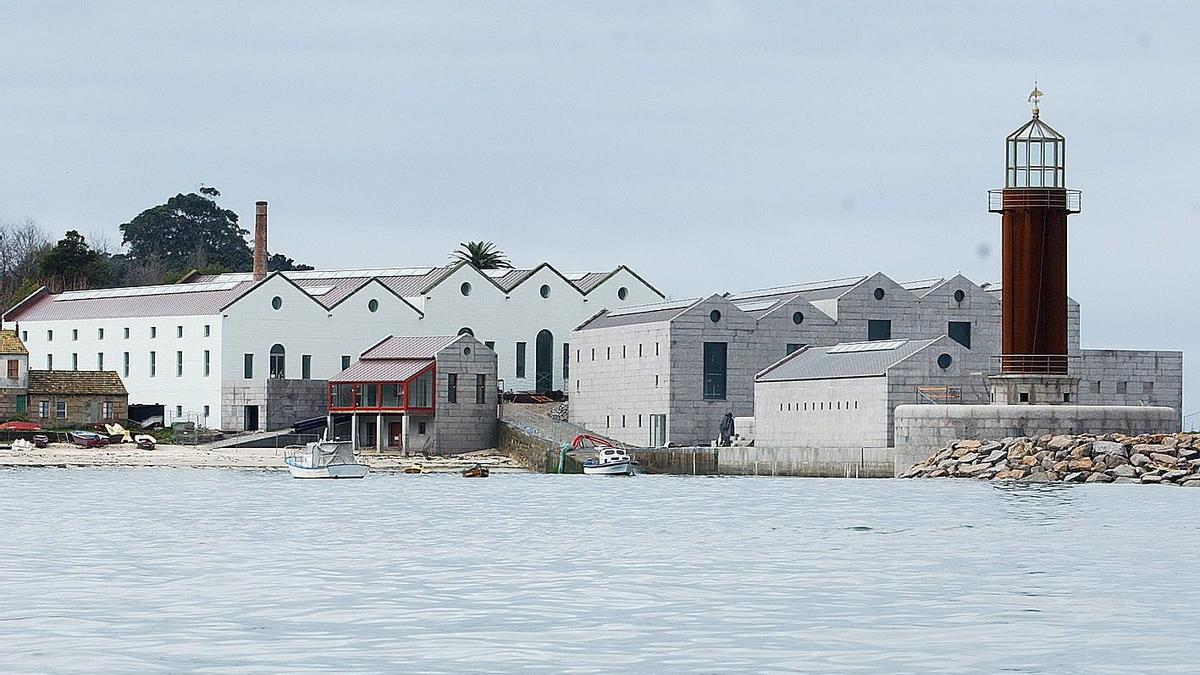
[544, 362]
[251, 414]
[395, 434]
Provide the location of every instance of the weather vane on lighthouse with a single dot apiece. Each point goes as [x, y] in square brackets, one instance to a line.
[1035, 96]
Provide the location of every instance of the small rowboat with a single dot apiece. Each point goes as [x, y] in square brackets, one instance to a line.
[477, 471]
[414, 468]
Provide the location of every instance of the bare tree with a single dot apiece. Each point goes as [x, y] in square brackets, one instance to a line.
[22, 244]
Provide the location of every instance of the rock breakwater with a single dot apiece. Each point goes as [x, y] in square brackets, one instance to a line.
[1166, 459]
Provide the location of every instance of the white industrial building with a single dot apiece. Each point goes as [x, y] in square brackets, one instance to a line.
[234, 352]
[666, 372]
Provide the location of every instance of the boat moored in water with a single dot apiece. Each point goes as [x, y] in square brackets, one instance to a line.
[323, 459]
[477, 471]
[610, 460]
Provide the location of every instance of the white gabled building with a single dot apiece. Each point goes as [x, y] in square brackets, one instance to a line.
[231, 352]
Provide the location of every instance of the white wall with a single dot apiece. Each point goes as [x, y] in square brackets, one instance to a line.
[188, 393]
[841, 413]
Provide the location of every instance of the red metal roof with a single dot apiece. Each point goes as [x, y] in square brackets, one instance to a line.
[382, 370]
[420, 347]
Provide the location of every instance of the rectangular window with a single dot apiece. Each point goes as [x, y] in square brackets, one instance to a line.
[420, 428]
[248, 366]
[715, 354]
[393, 396]
[74, 333]
[342, 395]
[100, 361]
[60, 409]
[520, 359]
[306, 366]
[14, 369]
[127, 332]
[153, 364]
[960, 332]
[43, 409]
[566, 361]
[49, 336]
[74, 361]
[207, 330]
[49, 362]
[207, 363]
[452, 388]
[178, 364]
[99, 333]
[178, 331]
[24, 336]
[125, 364]
[153, 331]
[206, 411]
[108, 410]
[793, 347]
[879, 329]
[178, 411]
[656, 349]
[421, 391]
[370, 395]
[345, 362]
[481, 389]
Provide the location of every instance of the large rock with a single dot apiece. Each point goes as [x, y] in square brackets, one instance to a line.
[1125, 479]
[1037, 477]
[1061, 465]
[1081, 464]
[1138, 459]
[1030, 460]
[1075, 477]
[1175, 475]
[973, 469]
[1165, 460]
[1152, 478]
[1109, 448]
[1148, 448]
[940, 473]
[1124, 471]
[969, 458]
[1099, 478]
[996, 456]
[1061, 442]
[1192, 483]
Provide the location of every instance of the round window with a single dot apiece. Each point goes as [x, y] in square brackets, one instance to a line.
[373, 305]
[465, 289]
[959, 296]
[714, 315]
[622, 293]
[798, 318]
[545, 291]
[879, 294]
[466, 351]
[276, 302]
[944, 361]
[466, 331]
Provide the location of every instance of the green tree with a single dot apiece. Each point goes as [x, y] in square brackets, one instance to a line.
[279, 262]
[482, 255]
[188, 231]
[72, 264]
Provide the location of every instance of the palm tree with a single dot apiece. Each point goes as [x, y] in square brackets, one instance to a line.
[481, 255]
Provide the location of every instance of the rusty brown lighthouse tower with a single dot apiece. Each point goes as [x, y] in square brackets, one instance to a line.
[1034, 205]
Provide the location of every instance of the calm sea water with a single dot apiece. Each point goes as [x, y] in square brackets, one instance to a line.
[166, 570]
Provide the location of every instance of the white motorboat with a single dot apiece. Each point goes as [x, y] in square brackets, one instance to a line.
[323, 459]
[610, 460]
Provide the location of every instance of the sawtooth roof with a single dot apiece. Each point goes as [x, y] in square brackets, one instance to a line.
[639, 314]
[207, 294]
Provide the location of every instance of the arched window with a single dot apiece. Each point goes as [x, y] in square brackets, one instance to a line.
[466, 331]
[277, 362]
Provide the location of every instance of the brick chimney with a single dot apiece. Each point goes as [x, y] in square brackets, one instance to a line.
[260, 241]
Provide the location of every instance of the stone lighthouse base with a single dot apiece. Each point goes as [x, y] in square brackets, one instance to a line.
[921, 430]
[1033, 389]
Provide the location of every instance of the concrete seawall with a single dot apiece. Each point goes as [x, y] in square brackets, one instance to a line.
[809, 462]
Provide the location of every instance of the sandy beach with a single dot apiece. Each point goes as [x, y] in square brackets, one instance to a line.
[65, 455]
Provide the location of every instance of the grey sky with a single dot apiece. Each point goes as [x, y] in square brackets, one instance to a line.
[709, 145]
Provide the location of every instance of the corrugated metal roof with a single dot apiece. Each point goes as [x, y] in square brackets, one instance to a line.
[639, 314]
[586, 281]
[418, 347]
[82, 382]
[382, 370]
[11, 344]
[149, 303]
[824, 363]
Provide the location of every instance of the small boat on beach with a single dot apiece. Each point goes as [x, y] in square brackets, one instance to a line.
[144, 441]
[87, 439]
[323, 459]
[477, 471]
[610, 460]
[414, 468]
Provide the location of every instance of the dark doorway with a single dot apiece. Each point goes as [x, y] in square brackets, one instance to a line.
[251, 413]
[543, 380]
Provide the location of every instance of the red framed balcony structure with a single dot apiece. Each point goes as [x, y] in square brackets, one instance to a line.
[399, 391]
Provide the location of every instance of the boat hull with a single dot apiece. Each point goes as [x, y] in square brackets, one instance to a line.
[625, 468]
[330, 471]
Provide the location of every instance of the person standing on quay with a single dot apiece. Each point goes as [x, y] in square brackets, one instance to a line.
[726, 429]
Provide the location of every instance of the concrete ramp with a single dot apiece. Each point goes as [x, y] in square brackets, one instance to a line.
[264, 439]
